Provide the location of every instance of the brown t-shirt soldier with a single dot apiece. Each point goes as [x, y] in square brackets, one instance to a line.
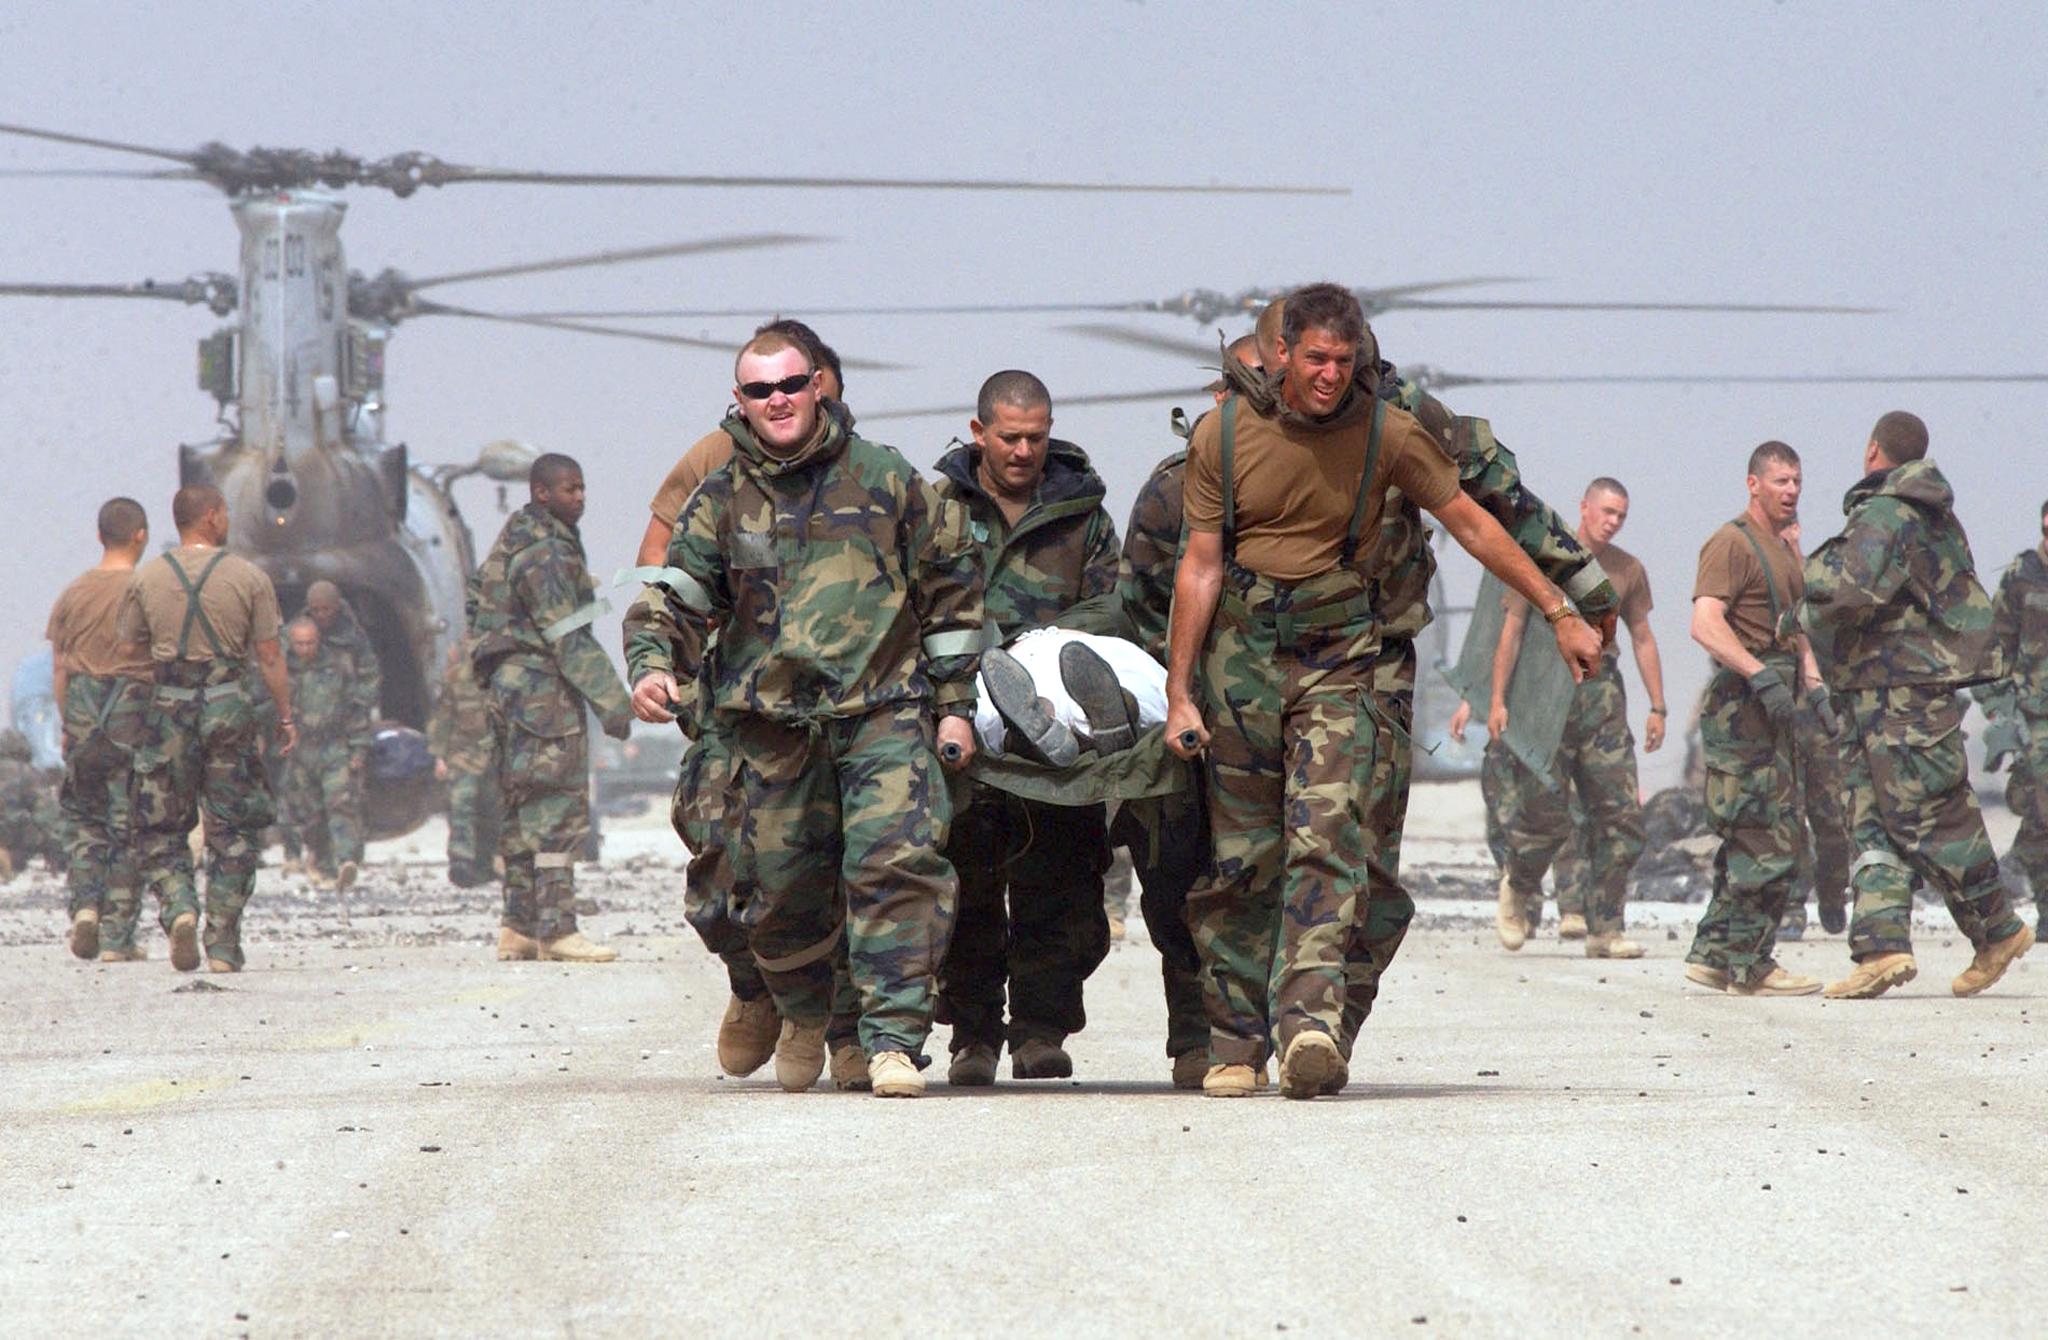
[1286, 654]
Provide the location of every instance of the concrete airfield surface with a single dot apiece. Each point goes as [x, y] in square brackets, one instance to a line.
[378, 1130]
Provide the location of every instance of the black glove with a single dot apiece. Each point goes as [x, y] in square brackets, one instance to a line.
[1771, 691]
[1821, 704]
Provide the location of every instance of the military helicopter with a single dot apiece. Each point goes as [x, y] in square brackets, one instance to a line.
[314, 488]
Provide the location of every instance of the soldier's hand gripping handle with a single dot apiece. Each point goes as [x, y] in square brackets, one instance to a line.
[654, 697]
[1775, 696]
[956, 742]
[1185, 733]
[1818, 701]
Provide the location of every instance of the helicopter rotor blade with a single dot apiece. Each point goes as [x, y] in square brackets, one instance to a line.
[427, 307]
[1059, 402]
[755, 313]
[104, 174]
[212, 290]
[1177, 346]
[93, 142]
[1393, 294]
[436, 173]
[1434, 377]
[620, 256]
[1513, 305]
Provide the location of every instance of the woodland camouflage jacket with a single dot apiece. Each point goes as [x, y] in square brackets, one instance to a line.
[1894, 599]
[838, 581]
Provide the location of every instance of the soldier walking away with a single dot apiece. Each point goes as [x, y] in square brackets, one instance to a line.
[466, 758]
[324, 776]
[531, 604]
[1286, 486]
[1900, 624]
[1745, 596]
[826, 687]
[1596, 759]
[2020, 626]
[1031, 914]
[203, 613]
[102, 687]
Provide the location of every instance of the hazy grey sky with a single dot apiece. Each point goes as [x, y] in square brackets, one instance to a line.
[1882, 155]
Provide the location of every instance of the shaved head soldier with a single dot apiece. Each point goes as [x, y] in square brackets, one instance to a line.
[1900, 624]
[324, 776]
[826, 689]
[1596, 759]
[1031, 897]
[1285, 493]
[203, 613]
[531, 604]
[101, 684]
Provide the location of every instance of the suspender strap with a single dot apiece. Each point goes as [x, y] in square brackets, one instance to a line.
[194, 612]
[1372, 461]
[1778, 611]
[1229, 413]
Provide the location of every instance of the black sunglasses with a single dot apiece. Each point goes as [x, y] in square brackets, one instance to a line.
[788, 386]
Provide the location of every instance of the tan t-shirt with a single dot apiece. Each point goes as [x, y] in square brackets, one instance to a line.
[1631, 588]
[84, 629]
[1730, 573]
[1295, 489]
[238, 600]
[700, 460]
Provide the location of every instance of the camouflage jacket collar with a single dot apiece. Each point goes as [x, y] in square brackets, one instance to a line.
[534, 524]
[1069, 487]
[828, 441]
[1917, 482]
[1260, 391]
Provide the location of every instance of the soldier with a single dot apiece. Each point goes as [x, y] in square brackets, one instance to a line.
[203, 612]
[826, 687]
[1048, 553]
[342, 635]
[748, 1031]
[2020, 625]
[1900, 623]
[1596, 757]
[102, 688]
[1744, 595]
[1288, 669]
[29, 816]
[1169, 838]
[531, 604]
[466, 758]
[325, 774]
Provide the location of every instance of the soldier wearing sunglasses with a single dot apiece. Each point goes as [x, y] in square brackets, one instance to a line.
[845, 600]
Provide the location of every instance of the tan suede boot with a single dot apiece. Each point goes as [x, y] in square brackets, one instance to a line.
[895, 1075]
[1612, 945]
[850, 1068]
[573, 948]
[185, 942]
[1507, 918]
[1991, 962]
[1873, 977]
[515, 948]
[799, 1055]
[1311, 1058]
[1571, 926]
[1229, 1081]
[85, 933]
[746, 1036]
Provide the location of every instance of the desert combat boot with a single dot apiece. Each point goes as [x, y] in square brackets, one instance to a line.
[1991, 962]
[1873, 977]
[746, 1036]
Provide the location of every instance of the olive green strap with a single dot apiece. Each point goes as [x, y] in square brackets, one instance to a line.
[193, 611]
[1229, 478]
[1372, 460]
[1770, 582]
